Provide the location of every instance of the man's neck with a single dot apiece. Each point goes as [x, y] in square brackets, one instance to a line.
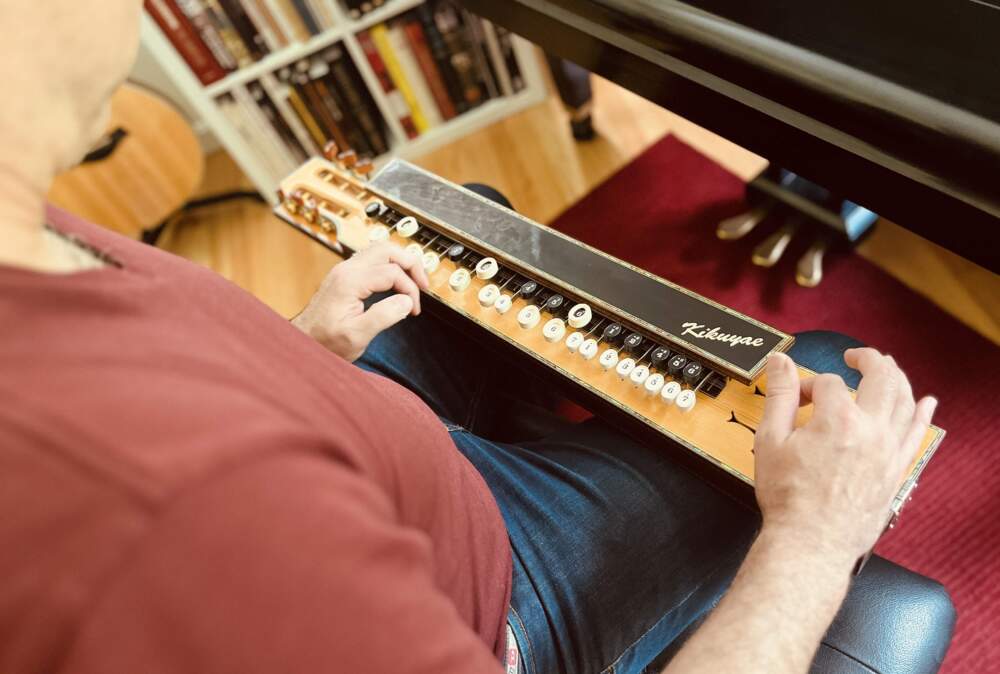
[23, 242]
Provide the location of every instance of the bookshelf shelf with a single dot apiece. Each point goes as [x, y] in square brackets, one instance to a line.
[255, 153]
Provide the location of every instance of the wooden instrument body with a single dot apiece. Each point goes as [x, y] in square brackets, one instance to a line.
[715, 437]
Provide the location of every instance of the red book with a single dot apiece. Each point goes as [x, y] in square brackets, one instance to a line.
[185, 39]
[418, 43]
[396, 101]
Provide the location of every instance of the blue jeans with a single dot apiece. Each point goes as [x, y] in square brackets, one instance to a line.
[616, 549]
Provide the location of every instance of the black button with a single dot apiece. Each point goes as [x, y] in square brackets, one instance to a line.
[554, 303]
[633, 342]
[693, 372]
[374, 209]
[660, 354]
[456, 252]
[612, 332]
[676, 364]
[528, 288]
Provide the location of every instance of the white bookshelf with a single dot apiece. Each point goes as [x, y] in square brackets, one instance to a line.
[202, 98]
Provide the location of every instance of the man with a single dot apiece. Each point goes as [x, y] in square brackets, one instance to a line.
[191, 484]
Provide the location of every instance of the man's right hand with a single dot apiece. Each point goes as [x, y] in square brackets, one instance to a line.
[830, 483]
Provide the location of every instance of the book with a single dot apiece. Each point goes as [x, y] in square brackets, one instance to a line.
[477, 40]
[411, 70]
[397, 103]
[497, 59]
[510, 58]
[380, 36]
[321, 10]
[326, 85]
[418, 45]
[244, 26]
[324, 109]
[442, 57]
[228, 33]
[288, 19]
[265, 24]
[359, 104]
[296, 153]
[298, 104]
[184, 38]
[279, 93]
[198, 14]
[238, 119]
[264, 138]
[453, 33]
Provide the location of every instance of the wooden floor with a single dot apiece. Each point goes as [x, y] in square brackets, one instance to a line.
[532, 158]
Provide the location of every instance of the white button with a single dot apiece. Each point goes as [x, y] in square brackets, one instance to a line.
[488, 295]
[588, 349]
[528, 317]
[378, 233]
[487, 268]
[625, 367]
[670, 391]
[459, 280]
[609, 359]
[430, 261]
[415, 249]
[654, 384]
[554, 329]
[503, 304]
[574, 341]
[407, 227]
[638, 375]
[579, 315]
[686, 400]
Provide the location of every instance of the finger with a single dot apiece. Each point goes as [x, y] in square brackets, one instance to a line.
[879, 385]
[916, 430]
[389, 277]
[383, 252]
[904, 408]
[381, 315]
[782, 401]
[824, 388]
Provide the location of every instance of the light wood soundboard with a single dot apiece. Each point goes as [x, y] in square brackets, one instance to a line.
[326, 200]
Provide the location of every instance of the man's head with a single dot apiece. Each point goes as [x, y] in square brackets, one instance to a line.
[60, 60]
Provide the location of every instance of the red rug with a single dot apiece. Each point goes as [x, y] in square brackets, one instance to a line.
[660, 213]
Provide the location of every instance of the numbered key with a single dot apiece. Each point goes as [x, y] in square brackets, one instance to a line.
[503, 304]
[670, 392]
[611, 332]
[579, 315]
[430, 262]
[375, 208]
[407, 227]
[378, 233]
[639, 375]
[686, 400]
[676, 365]
[553, 304]
[609, 359]
[574, 341]
[693, 372]
[659, 355]
[528, 317]
[455, 251]
[554, 330]
[527, 289]
[625, 368]
[487, 268]
[488, 295]
[588, 349]
[654, 384]
[634, 342]
[459, 280]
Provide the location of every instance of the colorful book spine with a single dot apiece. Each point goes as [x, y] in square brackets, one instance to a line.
[321, 10]
[298, 103]
[442, 57]
[497, 59]
[359, 105]
[380, 36]
[302, 9]
[418, 45]
[463, 64]
[290, 144]
[325, 110]
[393, 95]
[288, 19]
[184, 38]
[199, 16]
[264, 138]
[477, 40]
[510, 58]
[411, 71]
[244, 26]
[262, 20]
[228, 33]
[279, 93]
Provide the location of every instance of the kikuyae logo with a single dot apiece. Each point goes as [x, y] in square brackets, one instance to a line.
[698, 330]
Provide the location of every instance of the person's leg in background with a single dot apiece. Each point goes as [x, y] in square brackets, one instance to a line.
[573, 84]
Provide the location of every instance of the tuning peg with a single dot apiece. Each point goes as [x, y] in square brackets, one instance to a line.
[740, 225]
[364, 166]
[809, 268]
[769, 251]
[348, 158]
[330, 151]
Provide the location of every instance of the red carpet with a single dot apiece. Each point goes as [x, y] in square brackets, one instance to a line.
[660, 212]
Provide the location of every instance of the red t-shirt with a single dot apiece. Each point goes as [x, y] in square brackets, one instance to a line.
[189, 484]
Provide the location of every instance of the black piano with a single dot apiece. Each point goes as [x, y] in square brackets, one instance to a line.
[893, 104]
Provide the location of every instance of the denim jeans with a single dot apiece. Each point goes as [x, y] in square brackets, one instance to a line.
[616, 549]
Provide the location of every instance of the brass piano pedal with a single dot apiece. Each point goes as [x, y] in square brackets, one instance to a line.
[740, 225]
[809, 268]
[769, 251]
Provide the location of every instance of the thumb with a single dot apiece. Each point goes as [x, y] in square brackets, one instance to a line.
[383, 314]
[782, 402]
